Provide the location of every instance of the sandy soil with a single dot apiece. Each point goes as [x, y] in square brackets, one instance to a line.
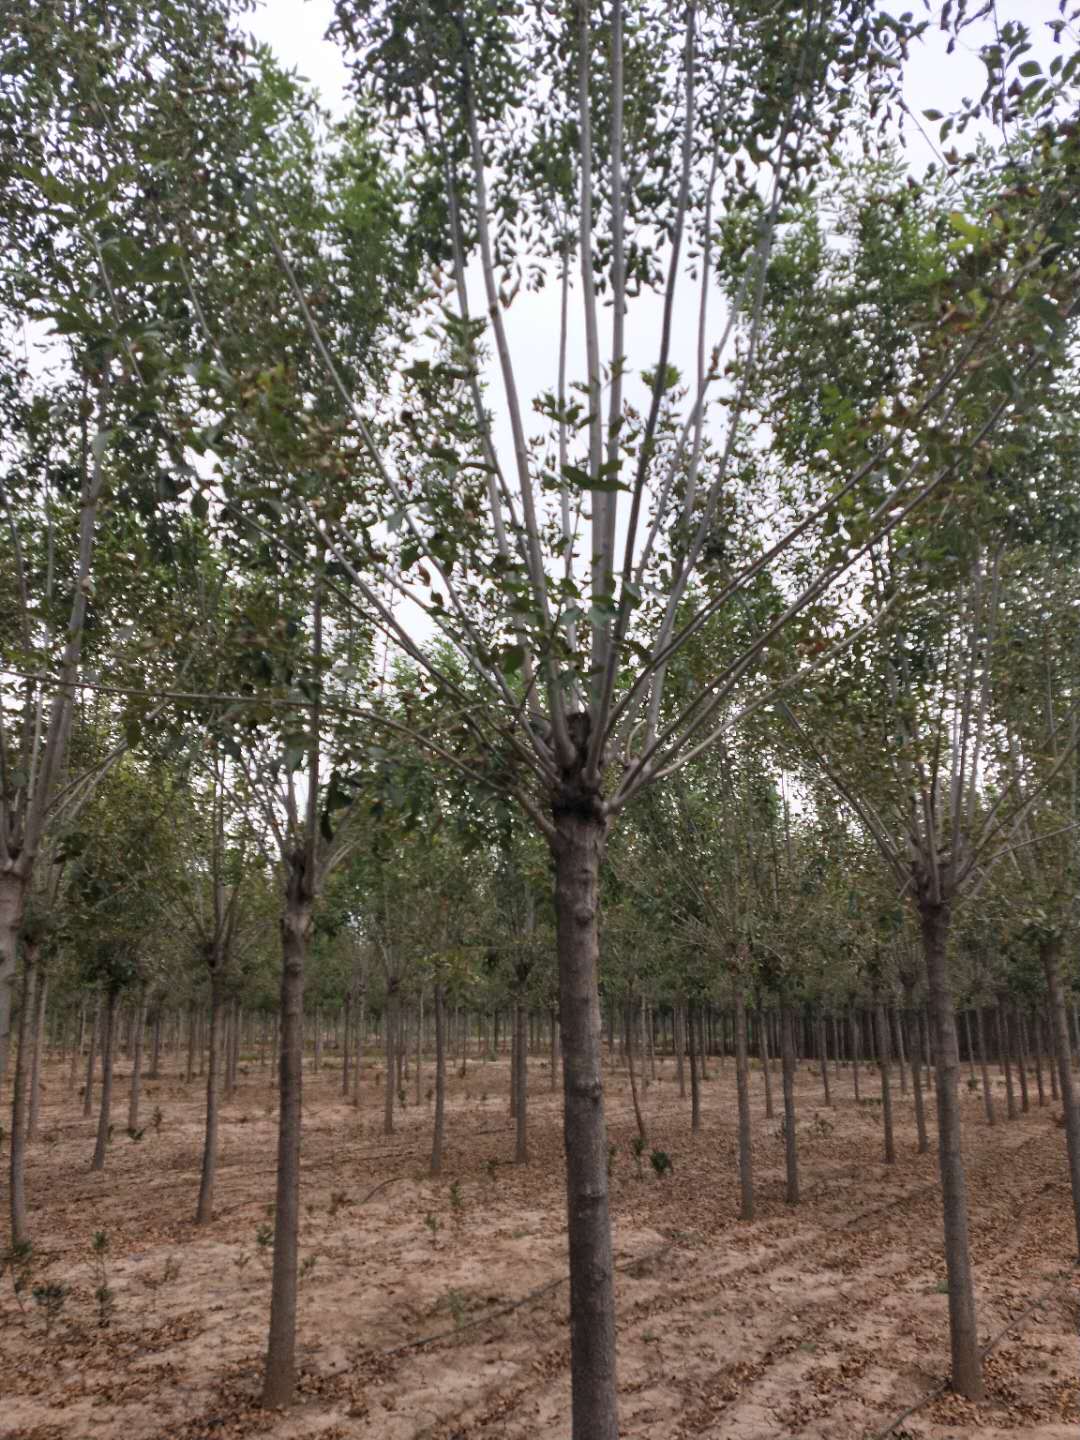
[825, 1321]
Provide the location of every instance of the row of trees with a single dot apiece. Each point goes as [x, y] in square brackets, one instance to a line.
[306, 602]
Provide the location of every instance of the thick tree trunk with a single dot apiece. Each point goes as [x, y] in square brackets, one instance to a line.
[19, 1102]
[881, 1025]
[791, 1142]
[1050, 951]
[139, 1025]
[963, 1331]
[440, 1082]
[279, 1381]
[204, 1211]
[578, 846]
[108, 1053]
[742, 1084]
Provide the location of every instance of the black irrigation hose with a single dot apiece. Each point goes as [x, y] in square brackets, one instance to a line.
[1017, 1320]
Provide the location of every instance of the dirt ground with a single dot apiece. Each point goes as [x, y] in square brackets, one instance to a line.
[824, 1321]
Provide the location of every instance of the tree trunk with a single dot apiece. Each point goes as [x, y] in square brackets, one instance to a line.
[390, 1039]
[37, 1056]
[578, 846]
[824, 1060]
[901, 1057]
[853, 1026]
[763, 1048]
[554, 1050]
[155, 1055]
[1003, 1040]
[742, 1084]
[1050, 950]
[108, 1051]
[440, 1082]
[918, 1060]
[639, 1118]
[13, 889]
[787, 1066]
[678, 1039]
[695, 1072]
[988, 1094]
[420, 1050]
[1036, 1038]
[279, 1381]
[91, 1060]
[76, 1049]
[521, 1083]
[204, 1212]
[970, 1045]
[19, 1221]
[136, 1064]
[881, 1026]
[963, 1331]
[346, 1036]
[1016, 1021]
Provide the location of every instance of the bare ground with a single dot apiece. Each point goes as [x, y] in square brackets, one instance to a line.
[825, 1321]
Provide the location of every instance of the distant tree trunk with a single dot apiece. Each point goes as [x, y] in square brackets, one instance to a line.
[91, 1060]
[763, 1044]
[136, 1064]
[853, 1026]
[742, 1083]
[76, 1049]
[361, 1027]
[970, 1047]
[963, 1330]
[438, 1135]
[1001, 1026]
[521, 1083]
[189, 1064]
[633, 1078]
[1015, 1020]
[1050, 952]
[917, 1059]
[155, 1054]
[279, 1380]
[420, 1049]
[787, 1063]
[1050, 1044]
[695, 1072]
[678, 1035]
[19, 1220]
[823, 1059]
[988, 1094]
[346, 1037]
[37, 1056]
[204, 1212]
[554, 1050]
[108, 1051]
[1036, 1045]
[881, 1025]
[901, 1057]
[390, 1038]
